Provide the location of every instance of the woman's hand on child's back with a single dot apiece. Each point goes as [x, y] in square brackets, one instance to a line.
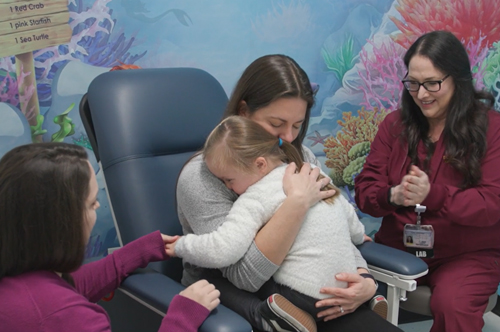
[305, 185]
[204, 293]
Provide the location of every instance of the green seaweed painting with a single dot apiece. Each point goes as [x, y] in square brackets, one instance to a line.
[492, 64]
[37, 129]
[83, 141]
[340, 60]
[66, 124]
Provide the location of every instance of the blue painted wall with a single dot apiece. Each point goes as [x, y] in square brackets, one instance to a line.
[352, 49]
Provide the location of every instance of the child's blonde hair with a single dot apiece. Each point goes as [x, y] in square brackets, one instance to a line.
[238, 141]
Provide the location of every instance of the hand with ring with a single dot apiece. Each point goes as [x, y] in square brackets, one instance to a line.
[343, 301]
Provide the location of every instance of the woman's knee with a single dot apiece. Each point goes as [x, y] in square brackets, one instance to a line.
[446, 301]
[445, 304]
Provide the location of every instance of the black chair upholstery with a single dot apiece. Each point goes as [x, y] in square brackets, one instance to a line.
[147, 123]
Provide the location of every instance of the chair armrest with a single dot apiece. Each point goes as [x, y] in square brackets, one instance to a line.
[156, 291]
[392, 261]
[397, 269]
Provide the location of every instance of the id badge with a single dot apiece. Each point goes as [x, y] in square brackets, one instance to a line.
[419, 240]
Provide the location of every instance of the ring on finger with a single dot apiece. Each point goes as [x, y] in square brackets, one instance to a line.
[341, 309]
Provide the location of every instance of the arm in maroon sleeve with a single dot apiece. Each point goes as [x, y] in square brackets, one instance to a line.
[372, 184]
[95, 280]
[183, 315]
[478, 206]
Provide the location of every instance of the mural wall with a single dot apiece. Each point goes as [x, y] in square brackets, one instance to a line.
[352, 49]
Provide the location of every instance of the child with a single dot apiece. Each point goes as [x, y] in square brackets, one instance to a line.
[250, 161]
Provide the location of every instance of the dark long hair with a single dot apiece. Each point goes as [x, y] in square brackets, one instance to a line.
[270, 78]
[43, 192]
[466, 123]
[238, 141]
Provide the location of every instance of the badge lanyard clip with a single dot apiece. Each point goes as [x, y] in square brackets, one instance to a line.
[419, 209]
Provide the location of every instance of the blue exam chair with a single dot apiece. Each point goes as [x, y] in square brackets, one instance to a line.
[143, 126]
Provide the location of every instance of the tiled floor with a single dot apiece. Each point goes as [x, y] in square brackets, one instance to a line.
[491, 324]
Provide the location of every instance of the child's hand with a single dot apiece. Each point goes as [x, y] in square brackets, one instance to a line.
[169, 239]
[169, 242]
[170, 248]
[204, 293]
[366, 238]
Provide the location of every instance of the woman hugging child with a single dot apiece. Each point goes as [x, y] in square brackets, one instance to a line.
[252, 162]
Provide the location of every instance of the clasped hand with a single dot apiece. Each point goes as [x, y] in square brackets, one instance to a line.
[170, 242]
[413, 189]
[201, 291]
[358, 291]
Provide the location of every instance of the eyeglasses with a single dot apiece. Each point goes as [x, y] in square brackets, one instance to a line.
[431, 86]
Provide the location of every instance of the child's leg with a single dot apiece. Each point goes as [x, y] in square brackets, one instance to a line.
[302, 301]
[242, 302]
[379, 305]
[362, 319]
[257, 309]
[281, 313]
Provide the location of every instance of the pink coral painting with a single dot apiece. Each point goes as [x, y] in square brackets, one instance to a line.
[468, 20]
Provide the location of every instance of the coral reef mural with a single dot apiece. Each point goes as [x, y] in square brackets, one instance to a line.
[346, 152]
[468, 20]
[373, 84]
[63, 73]
[352, 49]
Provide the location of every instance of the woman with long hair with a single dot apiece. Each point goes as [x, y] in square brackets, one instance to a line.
[440, 152]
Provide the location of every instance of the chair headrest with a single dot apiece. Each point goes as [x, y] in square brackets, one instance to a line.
[161, 111]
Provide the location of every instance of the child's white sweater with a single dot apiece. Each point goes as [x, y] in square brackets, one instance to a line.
[322, 248]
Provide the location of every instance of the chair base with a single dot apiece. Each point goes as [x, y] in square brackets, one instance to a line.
[407, 317]
[496, 309]
[395, 287]
[418, 301]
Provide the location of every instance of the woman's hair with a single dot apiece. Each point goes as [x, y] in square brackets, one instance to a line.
[238, 142]
[466, 118]
[268, 79]
[43, 192]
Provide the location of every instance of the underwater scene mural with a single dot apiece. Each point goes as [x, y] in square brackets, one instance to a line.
[352, 49]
